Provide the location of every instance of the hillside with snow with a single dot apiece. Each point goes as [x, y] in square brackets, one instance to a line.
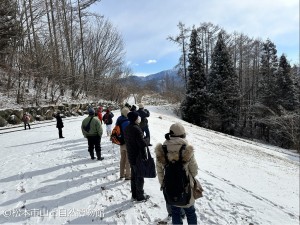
[46, 180]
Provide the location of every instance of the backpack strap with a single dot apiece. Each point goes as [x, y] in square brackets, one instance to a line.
[180, 152]
[164, 147]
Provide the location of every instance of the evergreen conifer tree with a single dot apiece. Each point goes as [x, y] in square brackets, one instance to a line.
[194, 107]
[223, 89]
[267, 83]
[285, 88]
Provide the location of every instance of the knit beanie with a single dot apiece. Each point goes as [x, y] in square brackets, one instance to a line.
[176, 130]
[132, 116]
[125, 111]
[141, 105]
[91, 111]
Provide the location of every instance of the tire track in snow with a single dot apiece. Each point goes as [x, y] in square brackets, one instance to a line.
[260, 198]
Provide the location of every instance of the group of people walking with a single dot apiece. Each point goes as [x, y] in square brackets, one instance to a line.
[135, 132]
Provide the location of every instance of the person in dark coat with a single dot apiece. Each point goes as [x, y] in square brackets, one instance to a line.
[144, 114]
[59, 124]
[135, 144]
[107, 118]
[133, 108]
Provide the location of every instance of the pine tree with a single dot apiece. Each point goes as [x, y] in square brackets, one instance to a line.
[285, 88]
[223, 89]
[8, 25]
[267, 83]
[195, 103]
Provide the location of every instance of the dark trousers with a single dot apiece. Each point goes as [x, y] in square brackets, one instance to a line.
[147, 132]
[60, 132]
[137, 184]
[27, 125]
[94, 143]
[189, 212]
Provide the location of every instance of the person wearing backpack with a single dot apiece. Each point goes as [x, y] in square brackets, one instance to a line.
[136, 144]
[122, 122]
[92, 130]
[177, 154]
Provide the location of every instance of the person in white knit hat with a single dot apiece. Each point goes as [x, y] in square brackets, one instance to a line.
[175, 141]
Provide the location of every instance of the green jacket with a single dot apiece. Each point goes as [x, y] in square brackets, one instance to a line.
[95, 127]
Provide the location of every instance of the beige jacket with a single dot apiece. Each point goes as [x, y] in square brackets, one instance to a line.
[190, 164]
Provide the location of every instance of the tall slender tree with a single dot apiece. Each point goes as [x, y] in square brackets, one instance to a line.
[267, 81]
[285, 88]
[223, 89]
[194, 107]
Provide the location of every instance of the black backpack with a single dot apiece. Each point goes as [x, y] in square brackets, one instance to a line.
[176, 184]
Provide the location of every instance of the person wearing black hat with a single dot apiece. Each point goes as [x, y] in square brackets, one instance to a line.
[144, 114]
[59, 124]
[135, 144]
[92, 130]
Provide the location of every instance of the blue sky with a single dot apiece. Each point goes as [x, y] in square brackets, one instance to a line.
[145, 26]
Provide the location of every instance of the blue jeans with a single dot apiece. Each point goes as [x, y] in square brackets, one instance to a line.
[189, 212]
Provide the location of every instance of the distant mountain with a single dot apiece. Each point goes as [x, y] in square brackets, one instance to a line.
[157, 79]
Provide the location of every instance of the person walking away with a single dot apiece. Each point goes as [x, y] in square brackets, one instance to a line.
[107, 118]
[123, 122]
[26, 120]
[135, 144]
[99, 114]
[59, 124]
[174, 144]
[144, 114]
[92, 130]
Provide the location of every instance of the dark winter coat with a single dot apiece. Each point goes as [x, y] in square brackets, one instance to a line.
[59, 122]
[107, 118]
[135, 142]
[143, 113]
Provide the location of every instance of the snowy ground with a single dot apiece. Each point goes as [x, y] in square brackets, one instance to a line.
[46, 180]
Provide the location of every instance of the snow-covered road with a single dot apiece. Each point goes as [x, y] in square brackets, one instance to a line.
[46, 180]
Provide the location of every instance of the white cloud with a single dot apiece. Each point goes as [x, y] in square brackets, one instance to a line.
[151, 61]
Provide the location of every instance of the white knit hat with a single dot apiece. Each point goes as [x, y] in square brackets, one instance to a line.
[141, 105]
[125, 111]
[177, 129]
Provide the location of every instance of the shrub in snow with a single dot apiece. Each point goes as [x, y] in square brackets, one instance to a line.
[39, 118]
[49, 114]
[13, 119]
[3, 122]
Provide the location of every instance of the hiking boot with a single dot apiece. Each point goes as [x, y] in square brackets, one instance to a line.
[100, 158]
[92, 158]
[143, 199]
